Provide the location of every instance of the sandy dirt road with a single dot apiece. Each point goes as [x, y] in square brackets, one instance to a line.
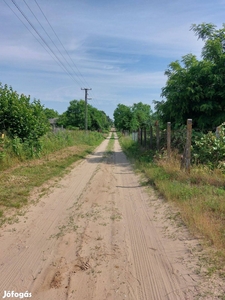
[97, 235]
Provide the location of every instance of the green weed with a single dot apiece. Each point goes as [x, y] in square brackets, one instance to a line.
[17, 183]
[200, 195]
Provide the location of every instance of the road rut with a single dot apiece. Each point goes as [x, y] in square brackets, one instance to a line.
[97, 235]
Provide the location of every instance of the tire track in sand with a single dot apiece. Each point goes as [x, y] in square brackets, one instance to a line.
[26, 247]
[153, 269]
[118, 251]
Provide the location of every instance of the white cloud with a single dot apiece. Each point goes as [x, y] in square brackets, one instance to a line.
[121, 48]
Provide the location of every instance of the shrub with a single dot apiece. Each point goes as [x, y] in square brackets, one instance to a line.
[209, 149]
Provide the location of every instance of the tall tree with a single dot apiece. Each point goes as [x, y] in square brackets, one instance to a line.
[51, 113]
[75, 116]
[196, 88]
[131, 118]
[122, 117]
[141, 116]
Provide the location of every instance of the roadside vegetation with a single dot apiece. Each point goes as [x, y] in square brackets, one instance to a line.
[198, 196]
[194, 89]
[110, 146]
[31, 153]
[20, 175]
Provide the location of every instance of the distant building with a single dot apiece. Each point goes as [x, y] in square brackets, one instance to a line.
[53, 122]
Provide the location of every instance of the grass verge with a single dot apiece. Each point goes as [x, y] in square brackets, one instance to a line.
[17, 182]
[110, 146]
[199, 196]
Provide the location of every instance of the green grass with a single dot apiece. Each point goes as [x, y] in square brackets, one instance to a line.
[17, 183]
[110, 146]
[14, 151]
[199, 196]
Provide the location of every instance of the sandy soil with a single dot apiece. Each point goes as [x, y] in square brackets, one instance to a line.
[100, 235]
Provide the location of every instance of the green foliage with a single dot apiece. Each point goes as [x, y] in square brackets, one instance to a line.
[15, 150]
[75, 117]
[20, 118]
[209, 149]
[141, 116]
[62, 120]
[178, 138]
[131, 118]
[2, 146]
[196, 88]
[16, 183]
[51, 113]
[199, 196]
[122, 117]
[76, 114]
[99, 120]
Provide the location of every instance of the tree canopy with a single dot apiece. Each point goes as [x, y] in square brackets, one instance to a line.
[51, 113]
[75, 117]
[196, 88]
[132, 117]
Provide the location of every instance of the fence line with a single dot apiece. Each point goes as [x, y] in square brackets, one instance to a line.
[154, 139]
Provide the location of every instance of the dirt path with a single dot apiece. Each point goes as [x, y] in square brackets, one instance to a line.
[98, 235]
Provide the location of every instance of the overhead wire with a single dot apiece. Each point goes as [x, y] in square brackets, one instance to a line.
[28, 28]
[84, 82]
[69, 64]
[45, 44]
[61, 44]
[43, 40]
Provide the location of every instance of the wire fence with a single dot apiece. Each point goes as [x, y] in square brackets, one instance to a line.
[153, 138]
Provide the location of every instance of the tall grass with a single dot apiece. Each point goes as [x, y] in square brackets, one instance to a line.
[21, 172]
[200, 195]
[14, 151]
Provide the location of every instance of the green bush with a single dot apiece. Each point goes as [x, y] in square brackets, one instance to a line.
[20, 118]
[209, 149]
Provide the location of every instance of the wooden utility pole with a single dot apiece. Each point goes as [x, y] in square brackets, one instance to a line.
[157, 135]
[86, 115]
[151, 138]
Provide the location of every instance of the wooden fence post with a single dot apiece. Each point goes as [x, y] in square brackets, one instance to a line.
[141, 137]
[157, 135]
[145, 136]
[150, 141]
[168, 139]
[188, 146]
[218, 132]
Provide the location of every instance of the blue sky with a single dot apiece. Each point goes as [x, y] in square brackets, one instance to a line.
[119, 48]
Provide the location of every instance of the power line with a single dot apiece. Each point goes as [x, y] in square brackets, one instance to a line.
[60, 42]
[43, 40]
[50, 38]
[45, 44]
[28, 28]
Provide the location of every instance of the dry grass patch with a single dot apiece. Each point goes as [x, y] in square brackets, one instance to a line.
[199, 196]
[17, 183]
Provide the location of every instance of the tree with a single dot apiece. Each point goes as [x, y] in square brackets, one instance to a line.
[196, 88]
[99, 120]
[19, 117]
[122, 117]
[141, 116]
[75, 116]
[62, 120]
[132, 118]
[51, 113]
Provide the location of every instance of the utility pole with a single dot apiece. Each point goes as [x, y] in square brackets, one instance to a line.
[86, 99]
